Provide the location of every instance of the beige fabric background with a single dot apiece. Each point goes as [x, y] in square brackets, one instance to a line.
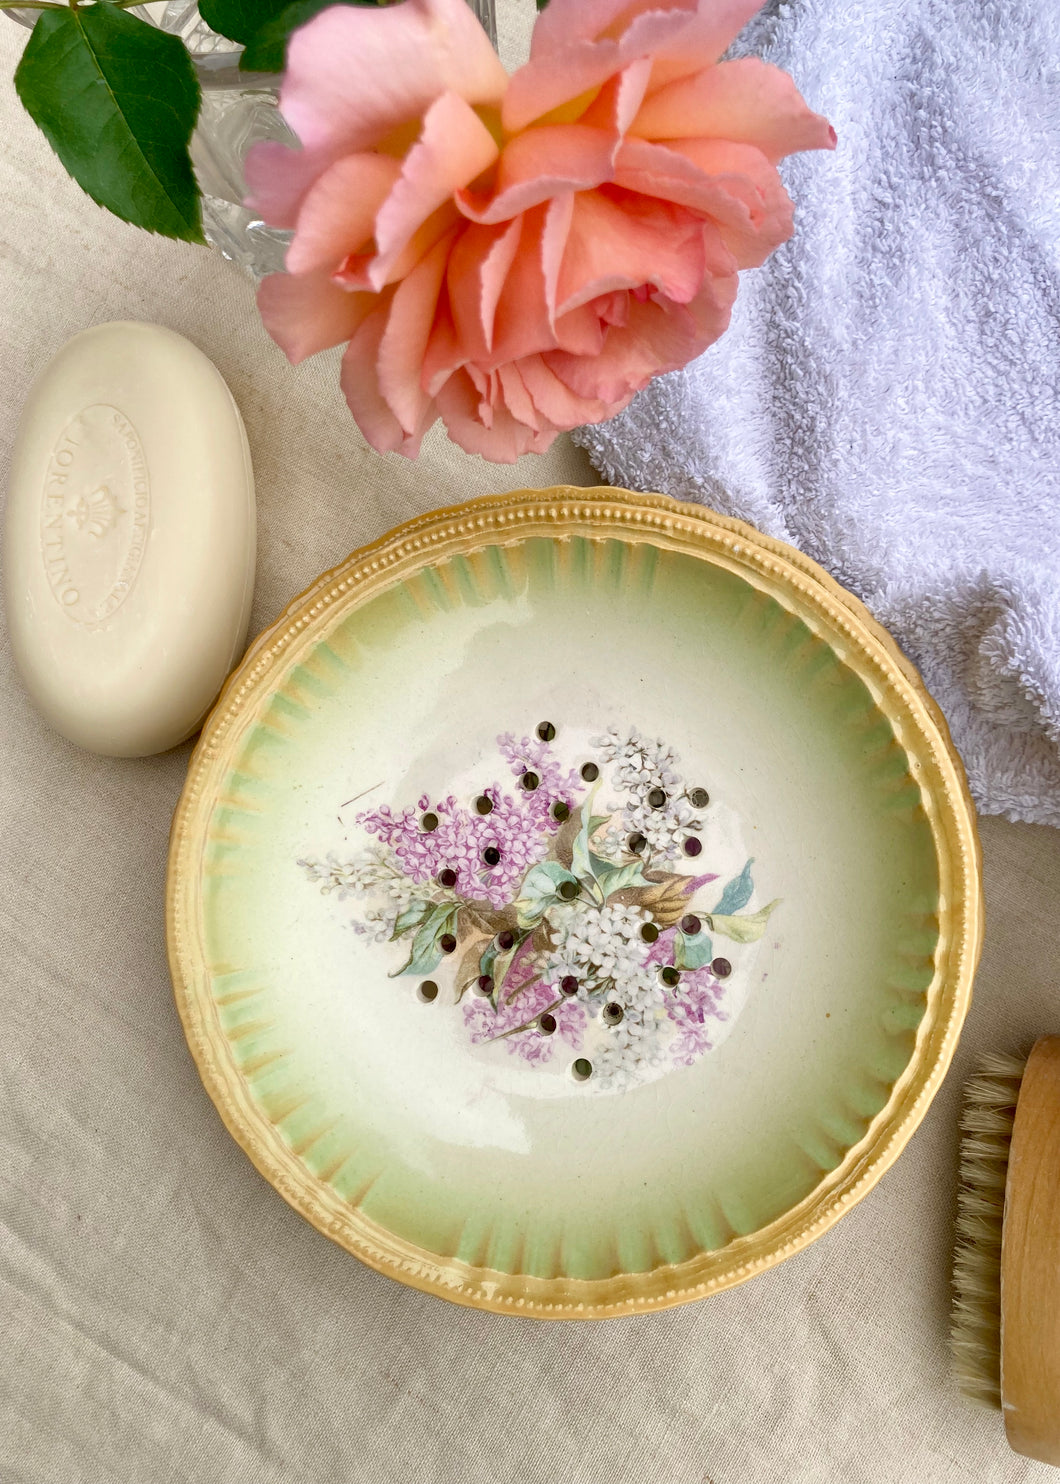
[164, 1317]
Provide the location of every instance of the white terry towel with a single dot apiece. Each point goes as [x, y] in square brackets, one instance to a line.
[887, 396]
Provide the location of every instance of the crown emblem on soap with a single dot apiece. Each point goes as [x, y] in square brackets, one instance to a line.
[95, 513]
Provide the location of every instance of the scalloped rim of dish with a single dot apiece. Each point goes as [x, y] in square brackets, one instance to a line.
[900, 694]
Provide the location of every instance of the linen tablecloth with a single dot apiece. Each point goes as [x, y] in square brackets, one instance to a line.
[164, 1317]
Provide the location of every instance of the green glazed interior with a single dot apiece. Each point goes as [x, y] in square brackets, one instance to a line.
[381, 1096]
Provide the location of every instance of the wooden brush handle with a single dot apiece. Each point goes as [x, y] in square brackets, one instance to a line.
[1030, 1263]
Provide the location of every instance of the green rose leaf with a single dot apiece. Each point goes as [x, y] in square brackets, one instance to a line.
[692, 951]
[266, 47]
[240, 20]
[541, 890]
[426, 953]
[737, 893]
[117, 100]
[742, 929]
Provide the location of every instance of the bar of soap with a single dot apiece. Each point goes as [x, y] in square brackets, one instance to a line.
[130, 539]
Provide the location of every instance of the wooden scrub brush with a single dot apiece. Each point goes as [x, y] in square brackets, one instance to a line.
[1006, 1270]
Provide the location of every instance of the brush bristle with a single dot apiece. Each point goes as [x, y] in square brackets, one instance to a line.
[986, 1128]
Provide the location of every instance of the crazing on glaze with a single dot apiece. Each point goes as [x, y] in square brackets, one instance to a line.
[571, 914]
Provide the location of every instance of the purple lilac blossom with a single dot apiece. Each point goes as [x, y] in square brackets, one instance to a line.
[527, 755]
[691, 1004]
[662, 950]
[460, 840]
[484, 1023]
[698, 1002]
[520, 828]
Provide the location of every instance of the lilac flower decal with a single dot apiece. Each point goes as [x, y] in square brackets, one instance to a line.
[555, 908]
[517, 1023]
[692, 1011]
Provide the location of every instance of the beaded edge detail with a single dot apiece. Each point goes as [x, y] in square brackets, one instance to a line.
[799, 584]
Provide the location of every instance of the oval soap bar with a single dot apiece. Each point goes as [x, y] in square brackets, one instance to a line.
[130, 536]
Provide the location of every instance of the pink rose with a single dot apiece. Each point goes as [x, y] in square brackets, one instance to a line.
[520, 255]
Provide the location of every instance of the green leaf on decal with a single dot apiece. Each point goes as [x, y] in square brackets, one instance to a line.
[581, 864]
[426, 952]
[411, 917]
[737, 893]
[497, 961]
[692, 951]
[541, 890]
[616, 878]
[742, 929]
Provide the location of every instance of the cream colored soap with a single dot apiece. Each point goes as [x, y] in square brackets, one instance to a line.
[130, 535]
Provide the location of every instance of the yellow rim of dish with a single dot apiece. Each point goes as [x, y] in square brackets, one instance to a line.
[900, 695]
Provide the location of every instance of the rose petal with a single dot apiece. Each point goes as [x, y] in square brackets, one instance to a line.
[504, 442]
[581, 331]
[516, 397]
[540, 163]
[733, 184]
[618, 102]
[338, 214]
[711, 309]
[454, 147]
[524, 323]
[708, 36]
[619, 240]
[306, 314]
[612, 309]
[660, 337]
[747, 100]
[444, 354]
[744, 169]
[404, 342]
[481, 381]
[359, 271]
[354, 74]
[564, 22]
[680, 38]
[555, 401]
[558, 87]
[360, 385]
[478, 267]
[278, 178]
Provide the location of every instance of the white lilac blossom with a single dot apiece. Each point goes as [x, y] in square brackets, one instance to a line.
[567, 927]
[638, 1044]
[375, 869]
[657, 806]
[377, 874]
[606, 952]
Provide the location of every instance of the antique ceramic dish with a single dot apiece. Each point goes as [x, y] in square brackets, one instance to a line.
[573, 903]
